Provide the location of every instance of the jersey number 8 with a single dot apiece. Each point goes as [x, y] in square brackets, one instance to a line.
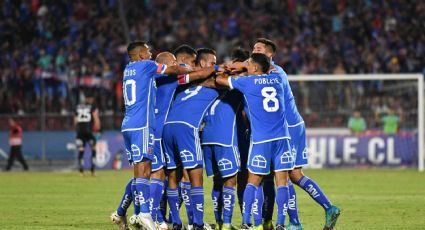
[269, 94]
[129, 85]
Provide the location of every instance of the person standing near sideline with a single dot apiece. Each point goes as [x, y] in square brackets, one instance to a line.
[15, 142]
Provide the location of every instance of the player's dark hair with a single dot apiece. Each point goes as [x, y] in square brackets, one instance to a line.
[134, 45]
[269, 44]
[240, 55]
[184, 49]
[262, 60]
[202, 52]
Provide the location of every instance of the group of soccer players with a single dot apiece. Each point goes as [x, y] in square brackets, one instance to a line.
[238, 120]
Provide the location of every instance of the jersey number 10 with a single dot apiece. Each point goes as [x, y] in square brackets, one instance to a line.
[129, 88]
[269, 94]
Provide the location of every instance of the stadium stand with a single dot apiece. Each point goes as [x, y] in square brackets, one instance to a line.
[61, 48]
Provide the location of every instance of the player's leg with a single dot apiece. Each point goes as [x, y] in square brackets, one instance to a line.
[92, 143]
[80, 142]
[192, 160]
[157, 181]
[257, 207]
[228, 164]
[216, 192]
[283, 161]
[311, 187]
[141, 150]
[294, 220]
[11, 158]
[259, 161]
[170, 154]
[20, 157]
[185, 188]
[119, 217]
[315, 192]
[128, 149]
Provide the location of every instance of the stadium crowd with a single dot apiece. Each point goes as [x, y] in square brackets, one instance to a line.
[60, 48]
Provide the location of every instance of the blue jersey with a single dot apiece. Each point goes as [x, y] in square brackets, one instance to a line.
[139, 94]
[164, 97]
[190, 105]
[264, 106]
[293, 117]
[220, 121]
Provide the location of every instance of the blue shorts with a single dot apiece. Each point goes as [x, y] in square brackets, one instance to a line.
[139, 145]
[273, 154]
[221, 159]
[182, 146]
[158, 161]
[298, 145]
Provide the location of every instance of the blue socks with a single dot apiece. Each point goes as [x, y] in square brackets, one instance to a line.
[125, 200]
[136, 202]
[143, 189]
[216, 196]
[228, 204]
[248, 200]
[197, 195]
[173, 202]
[292, 205]
[282, 204]
[186, 196]
[257, 207]
[269, 198]
[315, 192]
[156, 192]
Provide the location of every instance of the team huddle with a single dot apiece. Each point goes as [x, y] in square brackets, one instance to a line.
[238, 121]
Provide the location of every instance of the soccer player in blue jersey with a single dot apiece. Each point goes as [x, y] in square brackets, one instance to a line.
[139, 123]
[182, 143]
[264, 105]
[298, 144]
[221, 153]
[186, 56]
[165, 92]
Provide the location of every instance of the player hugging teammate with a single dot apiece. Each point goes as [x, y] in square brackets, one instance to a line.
[238, 120]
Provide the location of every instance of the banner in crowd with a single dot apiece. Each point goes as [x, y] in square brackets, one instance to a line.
[324, 151]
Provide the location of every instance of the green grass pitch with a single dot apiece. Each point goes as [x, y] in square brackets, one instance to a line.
[369, 199]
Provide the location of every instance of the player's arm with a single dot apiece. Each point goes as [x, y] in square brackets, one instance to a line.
[96, 120]
[223, 80]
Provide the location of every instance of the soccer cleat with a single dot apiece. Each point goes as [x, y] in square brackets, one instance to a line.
[244, 227]
[280, 227]
[207, 227]
[161, 226]
[133, 222]
[121, 221]
[268, 225]
[145, 220]
[331, 217]
[189, 227]
[292, 226]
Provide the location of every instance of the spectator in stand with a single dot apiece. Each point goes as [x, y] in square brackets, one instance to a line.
[60, 41]
[357, 123]
[391, 122]
[15, 142]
